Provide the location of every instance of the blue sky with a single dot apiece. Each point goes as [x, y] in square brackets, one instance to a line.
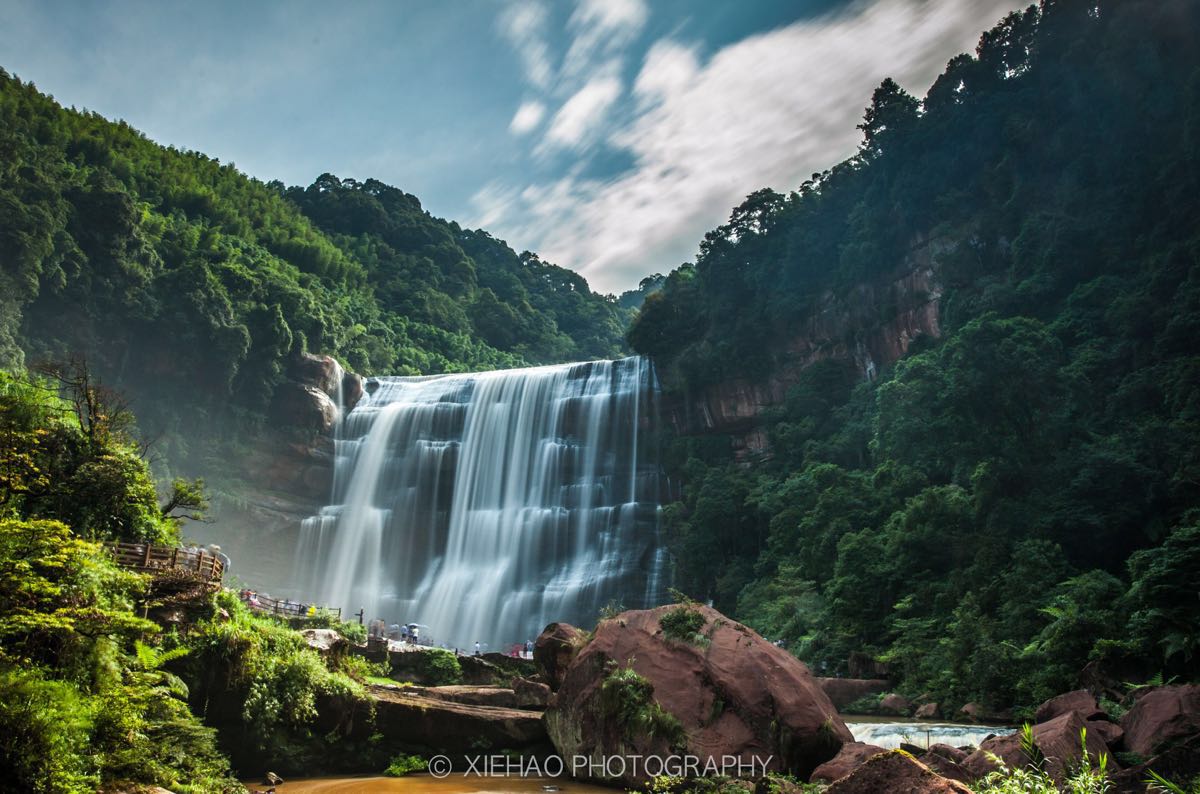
[608, 135]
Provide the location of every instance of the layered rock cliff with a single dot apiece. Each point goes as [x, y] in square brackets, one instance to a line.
[872, 325]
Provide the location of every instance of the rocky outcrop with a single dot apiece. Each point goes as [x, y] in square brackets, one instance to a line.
[326, 642]
[850, 757]
[531, 694]
[869, 328]
[1161, 717]
[928, 711]
[897, 705]
[414, 721]
[731, 692]
[500, 697]
[1058, 741]
[303, 407]
[947, 762]
[844, 691]
[320, 372]
[895, 772]
[1080, 701]
[555, 649]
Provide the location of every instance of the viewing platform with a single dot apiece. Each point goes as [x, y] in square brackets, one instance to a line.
[148, 558]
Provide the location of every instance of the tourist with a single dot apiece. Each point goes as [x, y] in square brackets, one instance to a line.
[415, 634]
[477, 647]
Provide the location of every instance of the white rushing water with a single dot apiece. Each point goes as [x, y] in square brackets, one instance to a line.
[485, 505]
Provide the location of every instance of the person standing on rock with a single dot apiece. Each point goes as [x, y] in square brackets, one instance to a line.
[477, 647]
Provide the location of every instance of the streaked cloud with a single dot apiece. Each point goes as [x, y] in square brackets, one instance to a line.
[577, 120]
[528, 116]
[524, 25]
[768, 110]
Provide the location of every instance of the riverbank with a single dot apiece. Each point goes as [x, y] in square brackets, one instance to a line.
[412, 784]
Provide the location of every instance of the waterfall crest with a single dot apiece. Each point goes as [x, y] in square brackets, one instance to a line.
[486, 505]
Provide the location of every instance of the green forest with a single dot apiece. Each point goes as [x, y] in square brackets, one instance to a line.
[1020, 498]
[189, 285]
[1009, 511]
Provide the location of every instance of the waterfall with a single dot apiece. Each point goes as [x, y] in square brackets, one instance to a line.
[485, 505]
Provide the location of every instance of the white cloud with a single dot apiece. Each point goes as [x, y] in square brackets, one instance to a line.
[766, 111]
[524, 25]
[527, 117]
[576, 121]
[602, 28]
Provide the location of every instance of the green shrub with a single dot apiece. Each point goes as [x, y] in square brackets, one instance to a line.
[684, 624]
[401, 765]
[45, 731]
[628, 698]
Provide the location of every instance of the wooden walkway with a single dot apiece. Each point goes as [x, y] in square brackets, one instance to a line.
[285, 606]
[158, 559]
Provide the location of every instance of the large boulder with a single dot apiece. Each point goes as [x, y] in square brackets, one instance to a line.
[1058, 741]
[306, 407]
[928, 711]
[531, 694]
[326, 642]
[844, 691]
[554, 650]
[1161, 717]
[320, 372]
[895, 772]
[895, 704]
[850, 757]
[352, 390]
[711, 688]
[1079, 701]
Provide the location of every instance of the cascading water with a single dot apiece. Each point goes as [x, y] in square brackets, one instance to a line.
[486, 505]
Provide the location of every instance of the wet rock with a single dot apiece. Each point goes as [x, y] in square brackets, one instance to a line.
[1080, 701]
[320, 372]
[305, 407]
[733, 694]
[554, 650]
[850, 757]
[895, 772]
[1162, 716]
[895, 704]
[352, 390]
[844, 691]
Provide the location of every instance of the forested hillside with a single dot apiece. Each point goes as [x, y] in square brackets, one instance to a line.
[189, 285]
[1020, 497]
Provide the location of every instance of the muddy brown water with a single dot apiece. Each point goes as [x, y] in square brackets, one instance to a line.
[414, 784]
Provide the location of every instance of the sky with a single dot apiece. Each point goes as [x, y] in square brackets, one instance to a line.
[606, 135]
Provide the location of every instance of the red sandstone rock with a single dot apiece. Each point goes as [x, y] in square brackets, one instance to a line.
[895, 772]
[895, 704]
[531, 694]
[1110, 732]
[409, 719]
[303, 406]
[1080, 701]
[850, 757]
[1162, 715]
[928, 711]
[1058, 740]
[320, 372]
[735, 695]
[554, 649]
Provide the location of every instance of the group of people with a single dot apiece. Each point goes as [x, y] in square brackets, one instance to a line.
[407, 634]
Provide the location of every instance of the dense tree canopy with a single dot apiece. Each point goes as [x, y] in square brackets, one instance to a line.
[1019, 497]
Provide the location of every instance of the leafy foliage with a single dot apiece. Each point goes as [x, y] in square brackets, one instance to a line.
[1016, 499]
[628, 698]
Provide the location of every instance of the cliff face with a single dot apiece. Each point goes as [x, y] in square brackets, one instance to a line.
[872, 326]
[285, 476]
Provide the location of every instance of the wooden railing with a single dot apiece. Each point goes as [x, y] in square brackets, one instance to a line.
[285, 606]
[148, 557]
